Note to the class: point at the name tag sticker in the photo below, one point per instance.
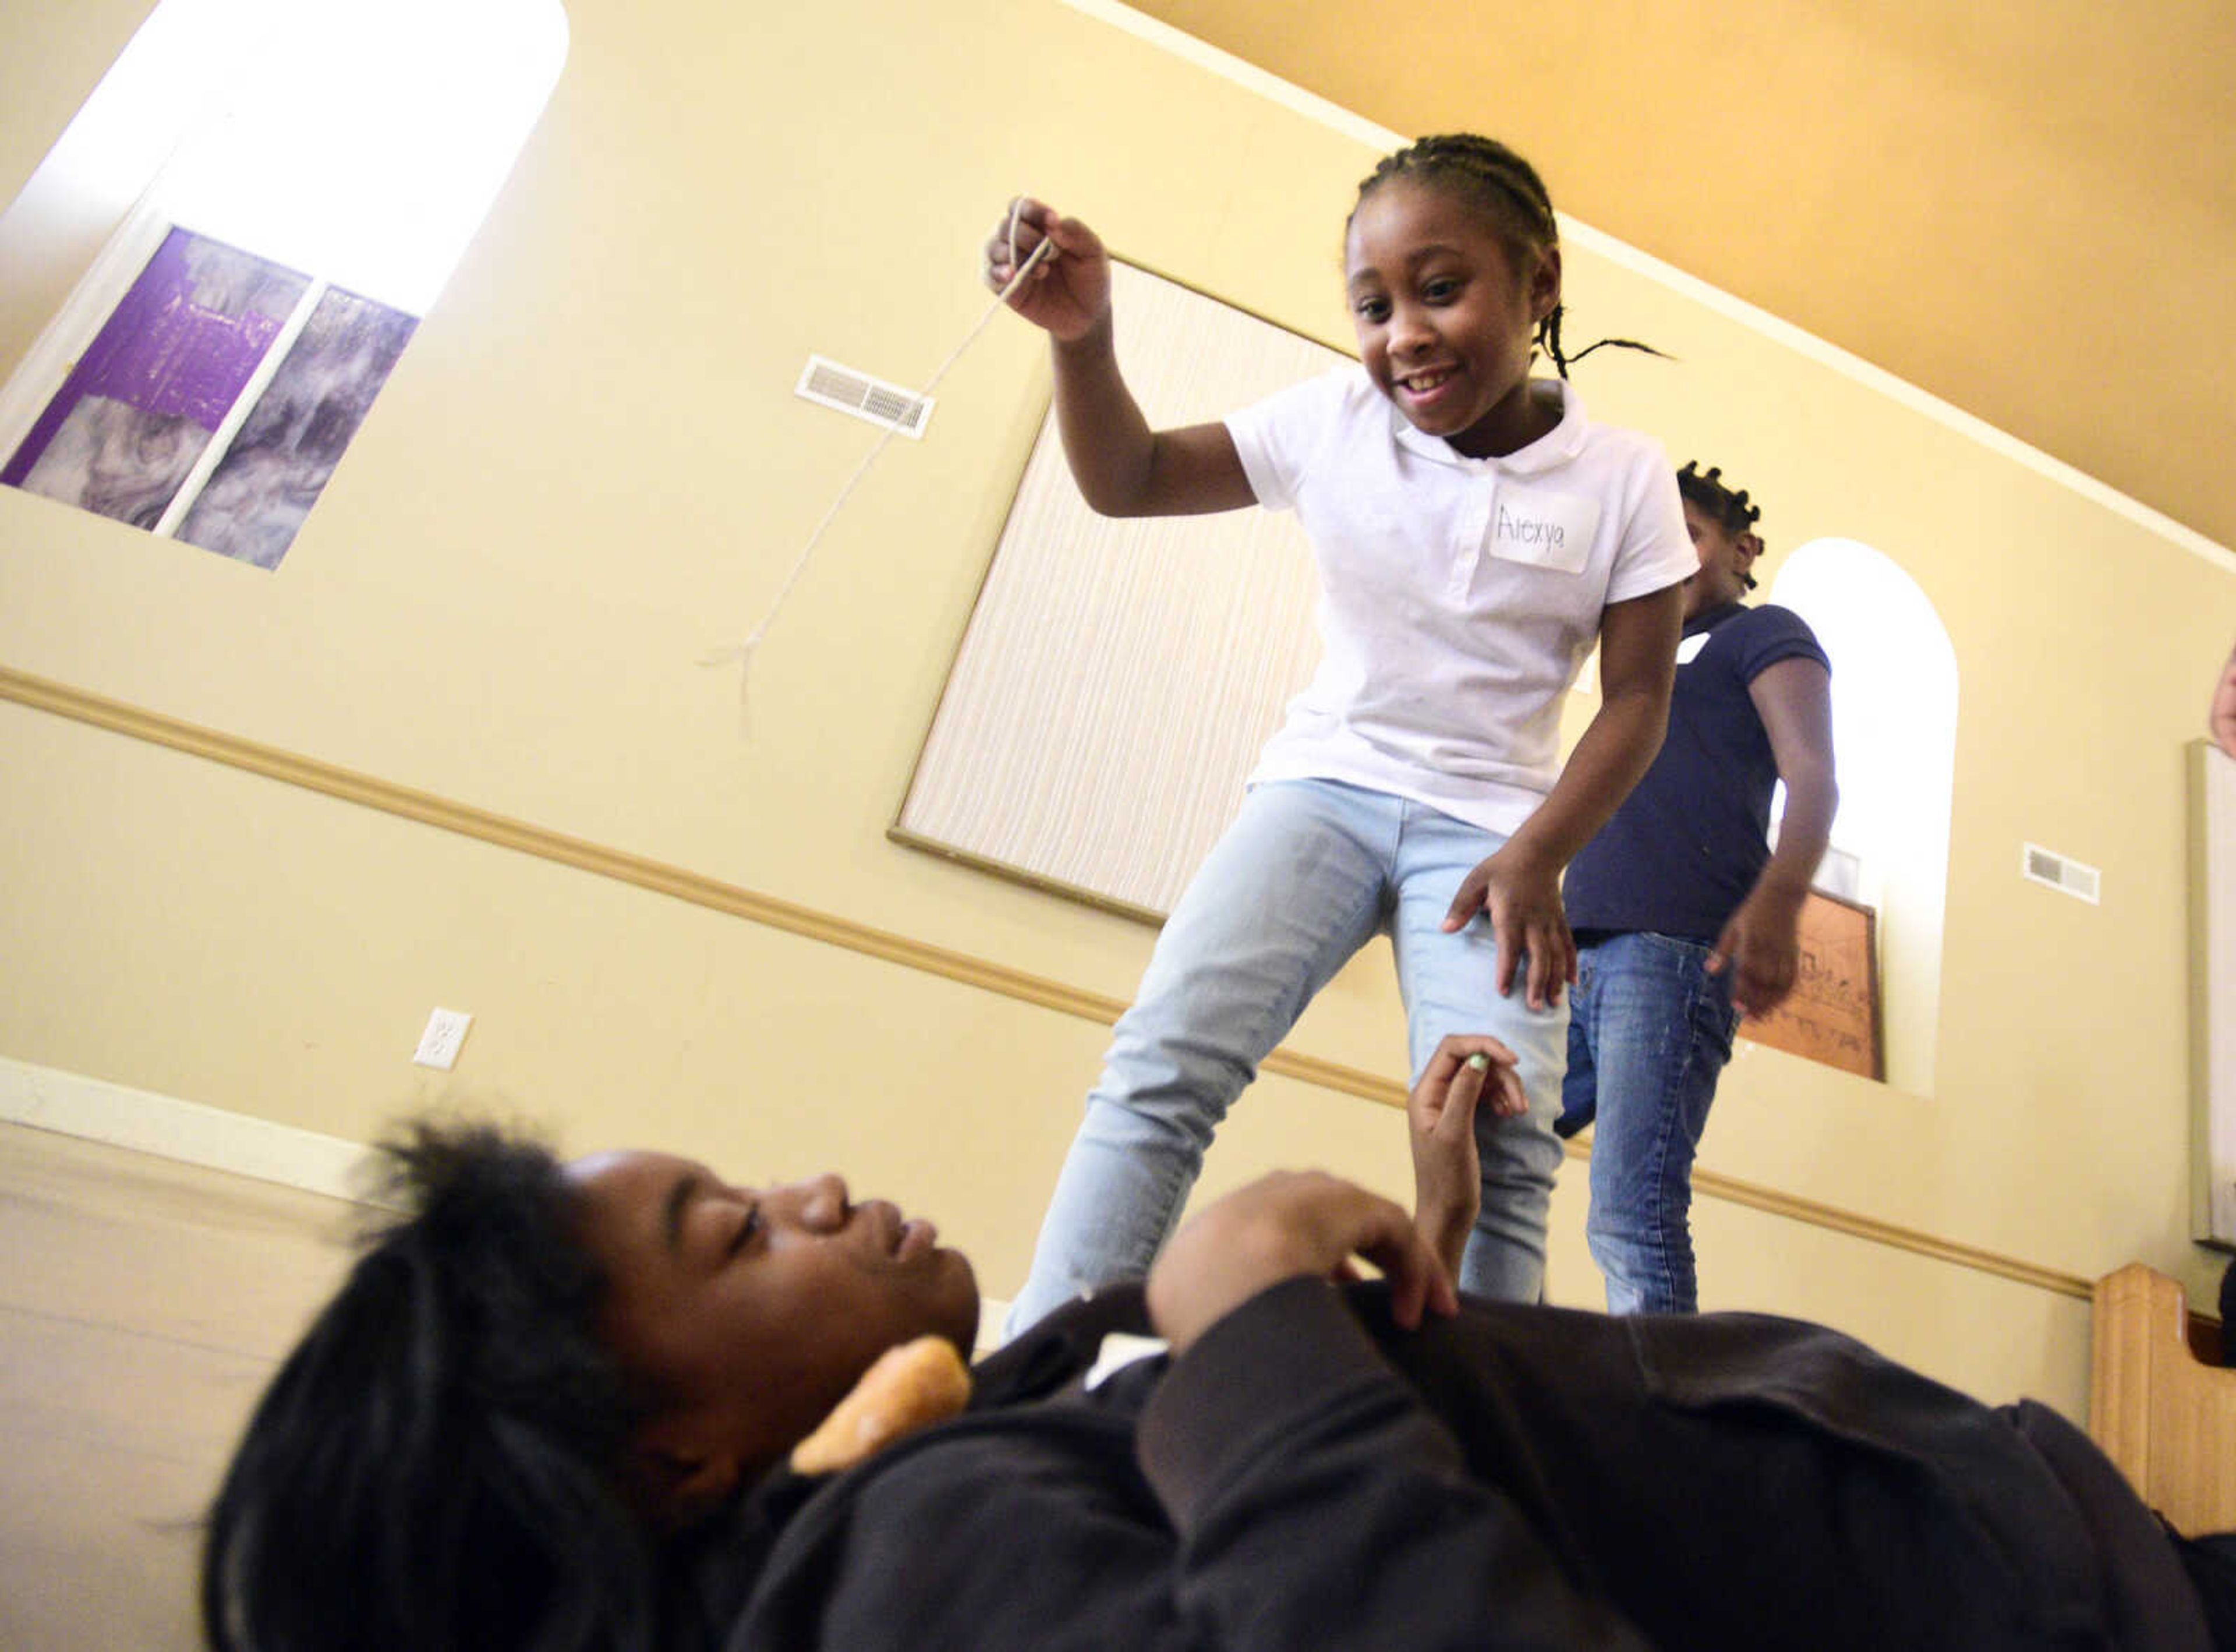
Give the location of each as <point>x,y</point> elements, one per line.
<point>1541,528</point>
<point>1689,649</point>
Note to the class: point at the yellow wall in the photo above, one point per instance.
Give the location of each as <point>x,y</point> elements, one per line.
<point>589,468</point>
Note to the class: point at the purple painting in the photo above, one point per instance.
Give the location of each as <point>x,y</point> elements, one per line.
<point>140,405</point>
<point>280,459</point>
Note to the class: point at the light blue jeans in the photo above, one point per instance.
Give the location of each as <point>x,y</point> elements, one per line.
<point>1651,1033</point>
<point>1307,874</point>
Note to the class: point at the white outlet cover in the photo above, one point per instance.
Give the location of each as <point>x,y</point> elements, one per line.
<point>438,1045</point>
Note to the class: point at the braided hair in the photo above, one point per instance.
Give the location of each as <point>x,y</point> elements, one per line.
<point>1506,189</point>
<point>1727,510</point>
<point>434,1466</point>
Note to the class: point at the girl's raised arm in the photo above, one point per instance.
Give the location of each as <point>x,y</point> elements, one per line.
<point>1123,468</point>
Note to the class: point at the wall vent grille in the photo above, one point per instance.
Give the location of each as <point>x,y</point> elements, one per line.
<point>832,385</point>
<point>2045,866</point>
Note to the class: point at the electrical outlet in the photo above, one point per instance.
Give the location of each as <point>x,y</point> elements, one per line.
<point>438,1045</point>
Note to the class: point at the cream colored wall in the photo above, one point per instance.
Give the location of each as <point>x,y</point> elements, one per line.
<point>56,55</point>
<point>588,469</point>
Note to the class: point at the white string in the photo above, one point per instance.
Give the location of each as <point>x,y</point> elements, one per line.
<point>743,652</point>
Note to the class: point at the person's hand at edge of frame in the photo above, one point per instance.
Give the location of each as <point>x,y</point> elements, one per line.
<point>2220,716</point>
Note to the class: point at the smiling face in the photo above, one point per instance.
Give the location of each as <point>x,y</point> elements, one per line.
<point>1443,318</point>
<point>747,1314</point>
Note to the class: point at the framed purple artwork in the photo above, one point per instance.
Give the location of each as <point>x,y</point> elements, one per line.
<point>214,400</point>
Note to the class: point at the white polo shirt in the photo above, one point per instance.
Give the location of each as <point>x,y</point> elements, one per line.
<point>1459,596</point>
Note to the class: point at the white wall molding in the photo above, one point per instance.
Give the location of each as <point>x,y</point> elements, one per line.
<point>72,1104</point>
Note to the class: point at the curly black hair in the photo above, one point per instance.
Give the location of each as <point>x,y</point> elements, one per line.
<point>434,1466</point>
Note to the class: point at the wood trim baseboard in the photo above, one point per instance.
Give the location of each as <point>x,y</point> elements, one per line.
<point>116,716</point>
<point>93,1109</point>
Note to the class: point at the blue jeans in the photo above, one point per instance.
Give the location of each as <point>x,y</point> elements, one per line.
<point>1648,1037</point>
<point>1307,874</point>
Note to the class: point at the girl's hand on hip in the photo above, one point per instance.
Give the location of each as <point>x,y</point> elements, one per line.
<point>1761,947</point>
<point>1069,291</point>
<point>1521,896</point>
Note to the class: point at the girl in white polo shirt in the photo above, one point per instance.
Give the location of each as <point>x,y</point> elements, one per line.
<point>1476,535</point>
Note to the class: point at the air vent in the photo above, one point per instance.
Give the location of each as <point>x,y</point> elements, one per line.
<point>858,393</point>
<point>2043,867</point>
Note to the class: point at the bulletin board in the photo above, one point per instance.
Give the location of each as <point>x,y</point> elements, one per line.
<point>1832,1015</point>
<point>1117,679</point>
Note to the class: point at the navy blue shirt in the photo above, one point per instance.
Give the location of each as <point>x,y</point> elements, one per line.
<point>1686,845</point>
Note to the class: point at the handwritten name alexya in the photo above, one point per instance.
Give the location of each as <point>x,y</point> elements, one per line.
<point>1527,531</point>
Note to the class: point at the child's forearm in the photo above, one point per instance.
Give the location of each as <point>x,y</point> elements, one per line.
<point>1107,440</point>
<point>1794,700</point>
<point>1613,754</point>
<point>1803,833</point>
<point>1444,1230</point>
<point>1638,667</point>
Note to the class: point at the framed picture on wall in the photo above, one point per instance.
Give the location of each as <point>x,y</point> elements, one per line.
<point>1116,678</point>
<point>1833,1013</point>
<point>207,399</point>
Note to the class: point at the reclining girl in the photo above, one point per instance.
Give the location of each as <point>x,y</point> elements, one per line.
<point>555,1406</point>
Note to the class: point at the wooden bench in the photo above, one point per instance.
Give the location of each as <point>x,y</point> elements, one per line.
<point>2165,1417</point>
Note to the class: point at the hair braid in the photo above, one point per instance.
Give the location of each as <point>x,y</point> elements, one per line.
<point>1707,492</point>
<point>1507,188</point>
